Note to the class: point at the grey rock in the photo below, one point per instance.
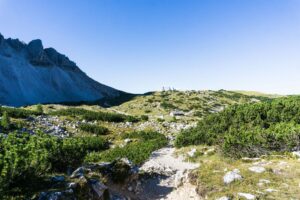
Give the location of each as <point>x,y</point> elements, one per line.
<point>79,172</point>
<point>35,48</point>
<point>223,198</point>
<point>257,169</point>
<point>232,176</point>
<point>246,196</point>
<point>57,195</point>
<point>15,44</point>
<point>99,189</point>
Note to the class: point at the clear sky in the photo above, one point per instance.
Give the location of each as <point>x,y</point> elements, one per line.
<point>143,45</point>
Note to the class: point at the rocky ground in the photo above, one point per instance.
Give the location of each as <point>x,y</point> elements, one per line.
<point>170,177</point>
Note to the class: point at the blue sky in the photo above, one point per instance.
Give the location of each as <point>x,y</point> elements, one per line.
<point>143,45</point>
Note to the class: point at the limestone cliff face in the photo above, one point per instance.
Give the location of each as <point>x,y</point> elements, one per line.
<point>30,74</point>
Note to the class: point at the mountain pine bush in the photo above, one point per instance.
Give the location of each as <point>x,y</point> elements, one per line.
<point>249,129</point>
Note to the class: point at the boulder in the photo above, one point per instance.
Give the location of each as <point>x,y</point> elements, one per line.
<point>232,176</point>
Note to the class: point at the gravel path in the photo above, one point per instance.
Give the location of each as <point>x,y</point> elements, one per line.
<point>169,179</point>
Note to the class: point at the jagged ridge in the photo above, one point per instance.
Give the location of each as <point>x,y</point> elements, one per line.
<point>30,74</point>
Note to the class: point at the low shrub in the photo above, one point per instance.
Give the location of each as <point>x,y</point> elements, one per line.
<point>94,129</point>
<point>137,151</point>
<point>92,115</point>
<point>18,112</point>
<point>24,157</point>
<point>249,129</point>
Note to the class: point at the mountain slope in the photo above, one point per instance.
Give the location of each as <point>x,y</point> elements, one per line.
<point>30,74</point>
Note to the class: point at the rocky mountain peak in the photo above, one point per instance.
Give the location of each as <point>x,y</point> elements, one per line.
<point>30,74</point>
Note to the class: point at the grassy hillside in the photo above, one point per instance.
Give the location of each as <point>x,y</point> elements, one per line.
<point>194,104</point>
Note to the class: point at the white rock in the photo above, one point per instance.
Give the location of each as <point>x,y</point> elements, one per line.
<point>130,189</point>
<point>296,154</point>
<point>264,181</point>
<point>232,176</point>
<point>192,152</point>
<point>271,190</point>
<point>127,140</point>
<point>223,198</point>
<point>247,196</point>
<point>257,169</point>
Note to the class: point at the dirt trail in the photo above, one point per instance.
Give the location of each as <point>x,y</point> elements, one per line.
<point>170,181</point>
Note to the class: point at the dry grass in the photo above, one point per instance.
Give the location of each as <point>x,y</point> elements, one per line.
<point>283,172</point>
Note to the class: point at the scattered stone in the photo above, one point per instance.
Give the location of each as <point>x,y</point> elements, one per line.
<point>99,189</point>
<point>232,176</point>
<point>262,182</point>
<point>271,190</point>
<point>223,198</point>
<point>257,169</point>
<point>210,151</point>
<point>127,141</point>
<point>72,185</point>
<point>247,196</point>
<point>79,172</point>
<point>176,113</point>
<point>130,189</point>
<point>67,194</point>
<point>192,152</point>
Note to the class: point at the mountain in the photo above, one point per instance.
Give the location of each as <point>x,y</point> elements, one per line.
<point>30,74</point>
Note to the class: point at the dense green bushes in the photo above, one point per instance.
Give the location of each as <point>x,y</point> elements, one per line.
<point>94,129</point>
<point>138,151</point>
<point>92,115</point>
<point>17,112</point>
<point>249,129</point>
<point>24,157</point>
